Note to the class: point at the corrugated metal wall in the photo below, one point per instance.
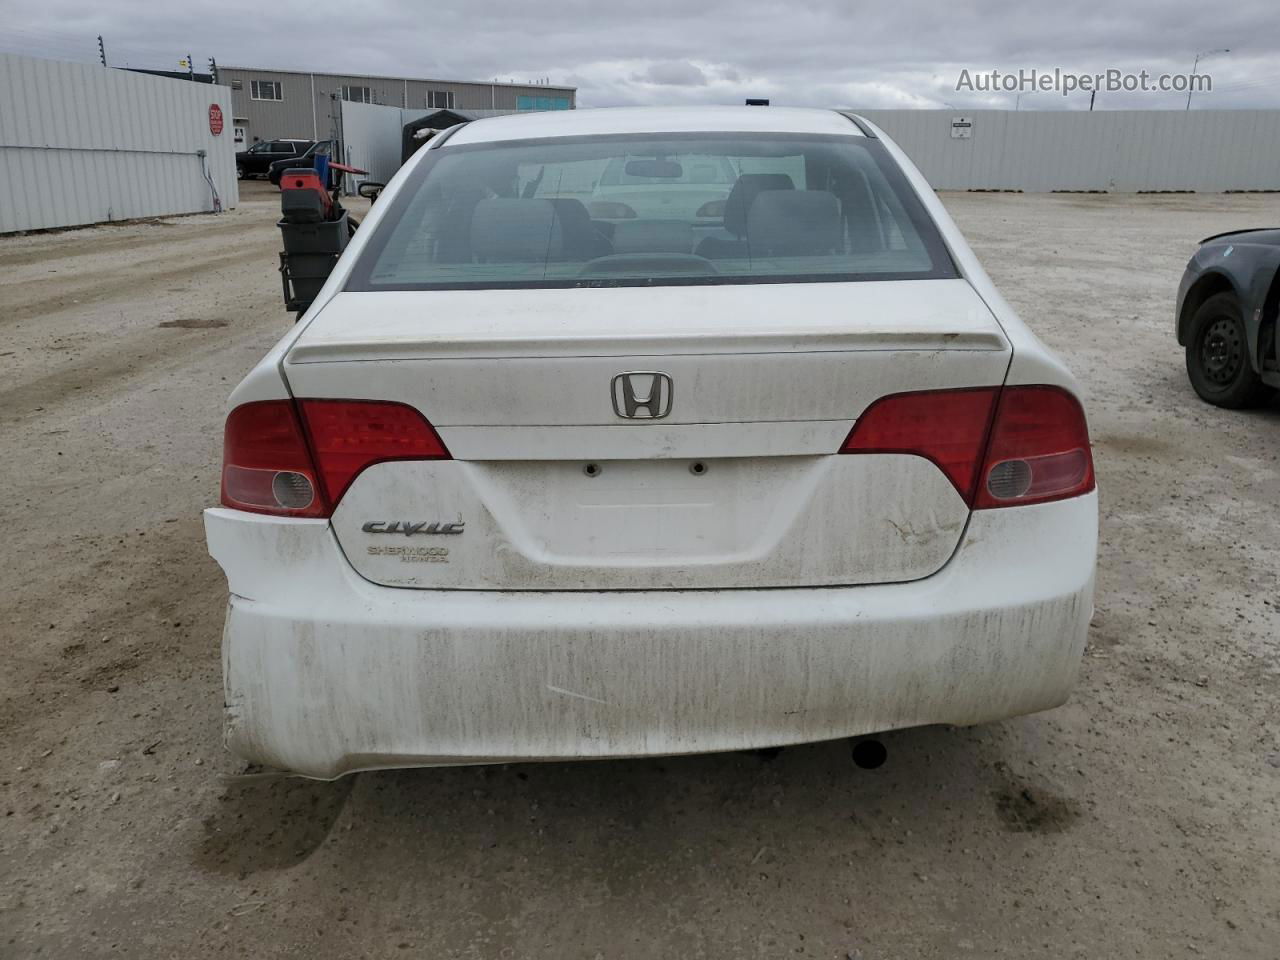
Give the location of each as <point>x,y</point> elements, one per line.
<point>302,112</point>
<point>84,144</point>
<point>1122,151</point>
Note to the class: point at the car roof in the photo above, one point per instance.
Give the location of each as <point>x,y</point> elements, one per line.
<point>616,120</point>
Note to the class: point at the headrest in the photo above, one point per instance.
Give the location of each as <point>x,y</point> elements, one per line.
<point>653,236</point>
<point>794,223</point>
<point>572,213</point>
<point>746,188</point>
<point>581,239</point>
<point>515,231</point>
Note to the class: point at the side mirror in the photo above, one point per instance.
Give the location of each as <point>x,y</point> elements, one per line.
<point>370,189</point>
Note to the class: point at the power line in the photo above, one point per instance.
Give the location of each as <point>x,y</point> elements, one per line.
<point>1269,80</point>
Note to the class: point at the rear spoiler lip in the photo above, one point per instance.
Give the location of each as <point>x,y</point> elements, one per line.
<point>858,122</point>
<point>358,351</point>
<point>1232,233</point>
<point>438,140</point>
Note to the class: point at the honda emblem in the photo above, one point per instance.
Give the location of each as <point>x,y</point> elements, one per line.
<point>642,395</point>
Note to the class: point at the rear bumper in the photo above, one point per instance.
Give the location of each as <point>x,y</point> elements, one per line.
<point>326,673</point>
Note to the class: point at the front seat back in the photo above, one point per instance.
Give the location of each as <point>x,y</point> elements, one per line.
<point>745,190</point>
<point>794,223</point>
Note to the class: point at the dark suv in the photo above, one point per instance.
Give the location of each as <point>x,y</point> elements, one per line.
<point>257,159</point>
<point>323,148</point>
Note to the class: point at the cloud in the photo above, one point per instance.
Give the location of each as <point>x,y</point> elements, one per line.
<point>813,53</point>
<point>674,73</point>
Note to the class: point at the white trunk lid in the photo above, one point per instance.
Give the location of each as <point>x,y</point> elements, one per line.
<point>739,485</point>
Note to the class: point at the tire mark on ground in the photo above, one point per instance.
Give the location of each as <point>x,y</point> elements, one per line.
<point>135,353</point>
<point>112,284</point>
<point>73,247</point>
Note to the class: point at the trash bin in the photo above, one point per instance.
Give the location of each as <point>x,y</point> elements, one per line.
<point>310,251</point>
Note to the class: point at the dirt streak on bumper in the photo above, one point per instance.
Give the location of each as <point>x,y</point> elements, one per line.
<point>327,673</point>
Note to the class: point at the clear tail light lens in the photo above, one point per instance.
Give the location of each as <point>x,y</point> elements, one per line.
<point>998,447</point>
<point>1039,449</point>
<point>298,458</point>
<point>266,466</point>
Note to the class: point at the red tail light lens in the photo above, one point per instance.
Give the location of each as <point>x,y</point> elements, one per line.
<point>948,427</point>
<point>298,460</point>
<point>349,435</point>
<point>998,447</point>
<point>1039,449</point>
<point>266,467</point>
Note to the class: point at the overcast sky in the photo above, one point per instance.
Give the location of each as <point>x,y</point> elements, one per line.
<point>898,53</point>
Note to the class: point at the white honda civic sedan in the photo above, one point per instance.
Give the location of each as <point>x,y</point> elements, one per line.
<point>649,431</point>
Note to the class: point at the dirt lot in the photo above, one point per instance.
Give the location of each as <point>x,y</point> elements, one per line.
<point>1141,819</point>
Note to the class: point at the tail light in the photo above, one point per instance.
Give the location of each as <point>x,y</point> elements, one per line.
<point>948,427</point>
<point>1039,449</point>
<point>998,447</point>
<point>297,459</point>
<point>266,466</point>
<point>348,435</point>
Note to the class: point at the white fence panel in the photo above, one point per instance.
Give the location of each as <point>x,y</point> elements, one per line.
<point>372,135</point>
<point>1122,151</point>
<point>86,144</point>
<point>371,139</point>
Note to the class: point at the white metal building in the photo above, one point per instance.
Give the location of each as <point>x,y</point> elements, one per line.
<point>85,144</point>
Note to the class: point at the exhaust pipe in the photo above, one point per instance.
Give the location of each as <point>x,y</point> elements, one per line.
<point>869,754</point>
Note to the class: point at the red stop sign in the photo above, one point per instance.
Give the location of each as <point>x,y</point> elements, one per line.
<point>215,119</point>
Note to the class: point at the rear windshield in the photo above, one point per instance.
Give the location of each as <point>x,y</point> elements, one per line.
<point>652,210</point>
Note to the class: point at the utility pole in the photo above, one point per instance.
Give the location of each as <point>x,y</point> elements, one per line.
<point>1191,80</point>
<point>1093,96</point>
<point>102,51</point>
<point>213,69</point>
<point>191,68</point>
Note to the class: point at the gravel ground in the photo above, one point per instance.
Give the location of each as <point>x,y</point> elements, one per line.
<point>1139,820</point>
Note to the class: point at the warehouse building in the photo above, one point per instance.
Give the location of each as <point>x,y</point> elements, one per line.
<point>272,104</point>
